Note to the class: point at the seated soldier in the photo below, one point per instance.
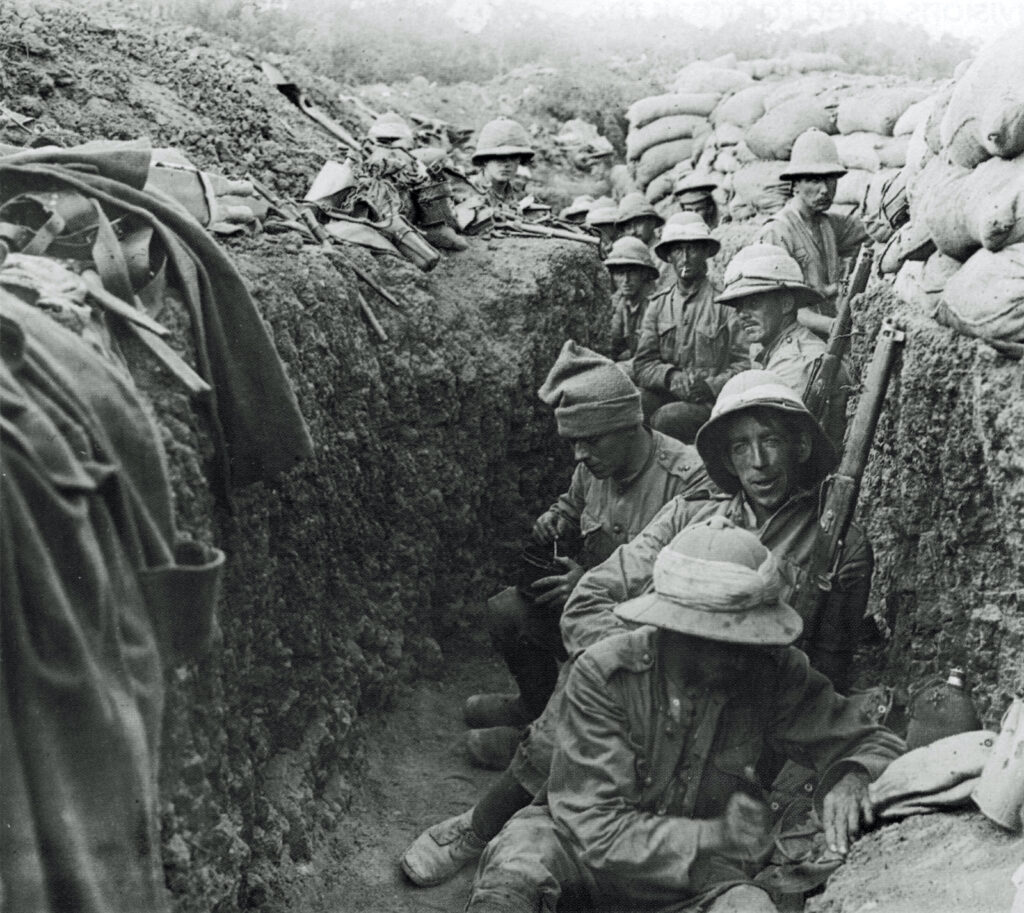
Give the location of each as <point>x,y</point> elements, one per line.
<point>624,475</point>
<point>689,345</point>
<point>502,146</point>
<point>576,211</point>
<point>638,219</point>
<point>602,218</point>
<point>633,274</point>
<point>652,803</point>
<point>812,235</point>
<point>765,286</point>
<point>769,456</point>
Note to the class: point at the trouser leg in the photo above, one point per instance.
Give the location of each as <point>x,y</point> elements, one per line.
<point>503,799</point>
<point>526,868</point>
<point>532,760</point>
<point>529,642</point>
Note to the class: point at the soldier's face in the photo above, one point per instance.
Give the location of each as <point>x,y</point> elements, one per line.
<point>642,228</point>
<point>764,455</point>
<point>605,455</point>
<point>704,207</point>
<point>817,193</point>
<point>629,280</point>
<point>689,260</point>
<point>708,662</point>
<point>501,169</point>
<point>764,316</point>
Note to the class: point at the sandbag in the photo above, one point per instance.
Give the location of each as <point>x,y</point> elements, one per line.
<point>912,242</point>
<point>728,135</point>
<point>726,162</point>
<point>876,110</point>
<point>851,187</point>
<point>743,154</point>
<point>701,76</point>
<point>985,115</point>
<point>985,297</point>
<point>859,150</point>
<point>660,187</point>
<point>763,67</point>
<point>772,137</point>
<point>892,151</point>
<point>664,130</point>
<point>914,115</point>
<point>933,123</point>
<point>659,159</point>
<point>936,172</point>
<point>742,109</point>
<point>646,110</point>
<point>983,207</point>
<point>883,204</point>
<point>759,186</point>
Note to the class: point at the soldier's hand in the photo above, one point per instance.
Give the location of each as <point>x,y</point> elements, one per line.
<point>846,805</point>
<point>742,832</point>
<point>554,591</point>
<point>546,528</point>
<point>680,384</point>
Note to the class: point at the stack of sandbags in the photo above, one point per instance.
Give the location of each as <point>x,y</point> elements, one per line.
<point>965,186</point>
<point>704,76</point>
<point>665,130</point>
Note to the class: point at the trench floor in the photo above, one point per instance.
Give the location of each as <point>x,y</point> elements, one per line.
<point>417,774</point>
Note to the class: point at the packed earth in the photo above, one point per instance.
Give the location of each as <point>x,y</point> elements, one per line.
<point>303,349</point>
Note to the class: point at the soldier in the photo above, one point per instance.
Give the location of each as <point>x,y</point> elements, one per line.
<point>689,345</point>
<point>816,238</point>
<point>638,219</point>
<point>693,193</point>
<point>653,802</point>
<point>769,456</point>
<point>602,217</point>
<point>624,474</point>
<point>391,130</point>
<point>502,146</point>
<point>633,273</point>
<point>765,286</point>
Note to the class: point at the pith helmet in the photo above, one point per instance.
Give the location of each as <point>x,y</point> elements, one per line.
<point>603,212</point>
<point>761,268</point>
<point>501,137</point>
<point>635,206</point>
<point>814,155</point>
<point>694,186</point>
<point>632,252</point>
<point>717,581</point>
<point>760,389</point>
<point>689,230</point>
<point>390,126</point>
<point>579,206</point>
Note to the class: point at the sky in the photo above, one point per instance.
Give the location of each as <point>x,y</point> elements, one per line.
<point>978,20</point>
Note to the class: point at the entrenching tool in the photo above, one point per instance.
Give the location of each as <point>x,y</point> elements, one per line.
<point>292,214</point>
<point>297,97</point>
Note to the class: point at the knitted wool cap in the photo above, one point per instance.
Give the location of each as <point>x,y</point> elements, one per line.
<point>591,396</point>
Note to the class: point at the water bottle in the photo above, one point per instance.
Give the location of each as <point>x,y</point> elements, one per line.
<point>941,708</point>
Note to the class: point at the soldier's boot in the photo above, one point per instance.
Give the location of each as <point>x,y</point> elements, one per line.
<point>482,711</point>
<point>442,850</point>
<point>493,748</point>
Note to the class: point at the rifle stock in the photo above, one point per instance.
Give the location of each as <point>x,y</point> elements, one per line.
<point>822,383</point>
<point>844,486</point>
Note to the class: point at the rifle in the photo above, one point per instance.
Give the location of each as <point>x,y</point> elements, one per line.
<point>291,212</point>
<point>844,486</point>
<point>821,384</point>
<point>530,229</point>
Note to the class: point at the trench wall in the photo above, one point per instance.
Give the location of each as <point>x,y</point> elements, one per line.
<point>432,455</point>
<point>942,501</point>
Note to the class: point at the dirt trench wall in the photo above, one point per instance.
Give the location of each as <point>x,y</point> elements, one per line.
<point>432,455</point>
<point>943,501</point>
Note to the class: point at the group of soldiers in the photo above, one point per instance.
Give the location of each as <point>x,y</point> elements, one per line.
<point>666,686</point>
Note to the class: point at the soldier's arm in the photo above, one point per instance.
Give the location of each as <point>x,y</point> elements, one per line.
<point>649,371</point>
<point>589,614</point>
<point>568,509</point>
<point>850,233</point>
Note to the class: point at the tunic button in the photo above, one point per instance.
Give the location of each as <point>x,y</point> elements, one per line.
<point>617,529</point>
<point>648,781</point>
<point>808,787</point>
<point>646,657</point>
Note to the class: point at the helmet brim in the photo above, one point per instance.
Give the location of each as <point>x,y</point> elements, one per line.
<point>481,155</point>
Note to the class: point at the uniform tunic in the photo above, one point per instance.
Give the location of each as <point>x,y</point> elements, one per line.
<point>627,317</point>
<point>640,761</point>
<point>817,246</point>
<point>793,356</point>
<point>691,334</point>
